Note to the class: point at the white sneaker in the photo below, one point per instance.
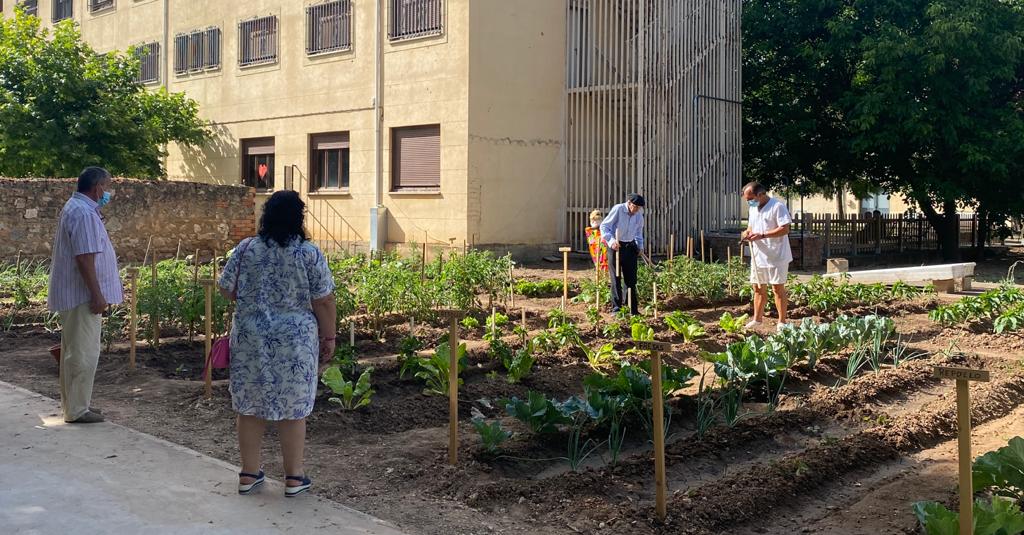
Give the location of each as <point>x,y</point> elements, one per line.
<point>751,324</point>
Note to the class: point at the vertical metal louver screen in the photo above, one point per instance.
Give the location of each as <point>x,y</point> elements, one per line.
<point>329,27</point>
<point>257,41</point>
<point>416,157</point>
<point>415,18</point>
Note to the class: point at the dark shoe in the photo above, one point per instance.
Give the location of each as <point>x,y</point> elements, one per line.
<point>246,489</point>
<point>291,492</point>
<point>94,409</point>
<point>88,418</point>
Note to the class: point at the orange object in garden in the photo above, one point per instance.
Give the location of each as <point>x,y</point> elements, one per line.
<point>598,249</point>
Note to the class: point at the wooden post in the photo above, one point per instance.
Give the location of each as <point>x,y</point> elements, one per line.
<point>177,254</point>
<point>963,376</point>
<point>195,286</point>
<point>423,263</point>
<point>565,275</point>
<point>352,333</point>
<point>208,343</point>
<point>494,326</point>
<point>216,265</point>
<point>654,295</point>
<point>671,246</point>
<point>629,299</point>
<point>701,245</point>
<point>511,285</point>
<point>146,256</point>
<point>154,317</point>
<point>133,322</point>
<point>656,348</point>
<point>453,383</point>
<point>524,318</point>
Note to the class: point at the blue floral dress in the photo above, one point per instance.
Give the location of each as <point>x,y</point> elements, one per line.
<point>275,340</point>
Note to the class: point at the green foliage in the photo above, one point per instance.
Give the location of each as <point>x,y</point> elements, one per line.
<point>830,294</point>
<point>689,278</point>
<point>66,107</point>
<point>592,292</point>
<point>462,278</point>
<point>469,322</point>
<point>633,382</point>
<point>389,285</point>
<point>685,325</point>
<point>433,370</point>
<point>1002,470</point>
<point>491,434</point>
<point>641,332</point>
<point>540,414</point>
<point>601,358</point>
<point>546,288</point>
<point>732,324</point>
<point>517,363</point>
<point>347,394</point>
<point>998,516</point>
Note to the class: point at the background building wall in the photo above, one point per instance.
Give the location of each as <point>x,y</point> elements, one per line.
<point>201,216</point>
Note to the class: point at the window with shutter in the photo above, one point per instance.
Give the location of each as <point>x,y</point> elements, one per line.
<point>329,161</point>
<point>416,158</point>
<point>258,163</point>
<point>62,9</point>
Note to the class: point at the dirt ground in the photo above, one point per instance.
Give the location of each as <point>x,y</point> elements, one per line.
<point>844,459</point>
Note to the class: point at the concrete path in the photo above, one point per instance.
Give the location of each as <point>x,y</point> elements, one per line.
<point>103,478</point>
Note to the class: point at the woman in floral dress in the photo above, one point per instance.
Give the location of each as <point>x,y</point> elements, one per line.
<point>598,248</point>
<point>283,333</point>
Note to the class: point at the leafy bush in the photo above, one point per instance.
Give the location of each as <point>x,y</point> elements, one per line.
<point>347,394</point>
<point>732,324</point>
<point>463,277</point>
<point>547,288</point>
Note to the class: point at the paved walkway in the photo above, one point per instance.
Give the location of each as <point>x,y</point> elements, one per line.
<point>104,478</point>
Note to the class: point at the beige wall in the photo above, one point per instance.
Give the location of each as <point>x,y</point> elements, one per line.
<point>494,81</point>
<point>819,204</point>
<point>516,117</point>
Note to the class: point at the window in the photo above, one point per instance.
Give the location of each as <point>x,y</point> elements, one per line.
<point>257,41</point>
<point>416,157</point>
<point>30,6</point>
<point>258,163</point>
<point>329,27</point>
<point>62,9</point>
<point>149,62</point>
<point>329,159</point>
<point>100,5</point>
<point>197,51</point>
<point>415,18</point>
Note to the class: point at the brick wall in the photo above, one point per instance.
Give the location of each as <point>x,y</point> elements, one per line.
<point>207,217</point>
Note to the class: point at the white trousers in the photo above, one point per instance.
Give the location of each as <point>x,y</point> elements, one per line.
<point>79,354</point>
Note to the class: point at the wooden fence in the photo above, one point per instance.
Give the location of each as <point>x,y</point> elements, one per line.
<point>895,233</point>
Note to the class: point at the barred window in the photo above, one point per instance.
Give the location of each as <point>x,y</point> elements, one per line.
<point>62,9</point>
<point>100,5</point>
<point>258,163</point>
<point>197,51</point>
<point>329,27</point>
<point>149,62</point>
<point>30,6</point>
<point>329,161</point>
<point>257,41</point>
<point>415,18</point>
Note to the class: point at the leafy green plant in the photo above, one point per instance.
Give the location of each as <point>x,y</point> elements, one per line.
<point>407,357</point>
<point>732,324</point>
<point>612,329</point>
<point>592,292</point>
<point>685,325</point>
<point>567,334</point>
<point>601,358</point>
<point>998,516</point>
<point>349,395</point>
<point>540,414</point>
<point>578,411</point>
<point>469,322</point>
<point>1002,470</point>
<point>519,363</point>
<point>594,315</point>
<point>546,288</point>
<point>491,434</point>
<point>433,370</point>
<point>641,332</point>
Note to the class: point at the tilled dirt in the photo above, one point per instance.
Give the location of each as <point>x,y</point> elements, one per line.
<point>833,458</point>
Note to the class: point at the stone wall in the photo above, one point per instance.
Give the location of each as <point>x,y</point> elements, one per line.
<point>198,216</point>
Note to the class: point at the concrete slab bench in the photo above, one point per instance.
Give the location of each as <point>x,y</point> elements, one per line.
<point>945,277</point>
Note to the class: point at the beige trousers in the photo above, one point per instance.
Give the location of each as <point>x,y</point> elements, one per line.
<point>79,354</point>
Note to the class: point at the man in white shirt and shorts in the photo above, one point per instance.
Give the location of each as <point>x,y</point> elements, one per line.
<point>770,255</point>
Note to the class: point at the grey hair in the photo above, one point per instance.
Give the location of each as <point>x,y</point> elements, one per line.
<point>91,176</point>
<point>755,187</point>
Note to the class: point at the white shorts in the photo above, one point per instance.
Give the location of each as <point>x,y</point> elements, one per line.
<point>769,275</point>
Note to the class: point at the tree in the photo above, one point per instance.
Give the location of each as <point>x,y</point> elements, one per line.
<point>64,107</point>
<point>920,97</point>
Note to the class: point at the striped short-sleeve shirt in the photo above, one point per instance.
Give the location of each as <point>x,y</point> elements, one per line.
<point>81,231</point>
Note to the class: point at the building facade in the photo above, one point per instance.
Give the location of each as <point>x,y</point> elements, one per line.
<point>489,121</point>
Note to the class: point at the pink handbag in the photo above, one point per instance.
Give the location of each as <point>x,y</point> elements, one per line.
<point>220,351</point>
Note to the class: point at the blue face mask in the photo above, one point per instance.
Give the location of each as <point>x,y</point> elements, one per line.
<point>753,203</point>
<point>104,199</point>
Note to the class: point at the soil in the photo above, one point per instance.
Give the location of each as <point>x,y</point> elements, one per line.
<point>833,458</point>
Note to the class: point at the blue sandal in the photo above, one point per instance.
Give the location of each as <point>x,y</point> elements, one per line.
<point>291,492</point>
<point>246,489</point>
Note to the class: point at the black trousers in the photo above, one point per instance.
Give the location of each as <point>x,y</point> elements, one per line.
<point>627,257</point>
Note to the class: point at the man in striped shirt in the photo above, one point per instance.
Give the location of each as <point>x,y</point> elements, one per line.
<point>84,281</point>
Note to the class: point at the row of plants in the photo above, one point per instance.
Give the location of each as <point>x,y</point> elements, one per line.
<point>830,294</point>
<point>1003,306</point>
<point>998,483</point>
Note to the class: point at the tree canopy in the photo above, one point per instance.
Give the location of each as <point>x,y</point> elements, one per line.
<point>64,107</point>
<point>920,97</point>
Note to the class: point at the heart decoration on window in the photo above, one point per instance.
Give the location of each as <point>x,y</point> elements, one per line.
<point>262,170</point>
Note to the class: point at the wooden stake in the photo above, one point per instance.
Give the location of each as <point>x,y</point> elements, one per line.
<point>701,245</point>
<point>423,263</point>
<point>453,383</point>
<point>661,489</point>
<point>963,376</point>
<point>177,254</point>
<point>146,256</point>
<point>511,286</point>
<point>654,294</point>
<point>629,299</point>
<point>208,343</point>
<point>671,246</point>
<point>565,275</point>
<point>216,265</point>
<point>154,317</point>
<point>352,333</point>
<point>133,322</point>
<point>195,286</point>
<point>524,318</point>
<point>494,326</point>
<point>17,266</point>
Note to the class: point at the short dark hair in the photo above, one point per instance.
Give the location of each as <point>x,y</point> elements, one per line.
<point>755,187</point>
<point>283,218</point>
<point>91,176</point>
